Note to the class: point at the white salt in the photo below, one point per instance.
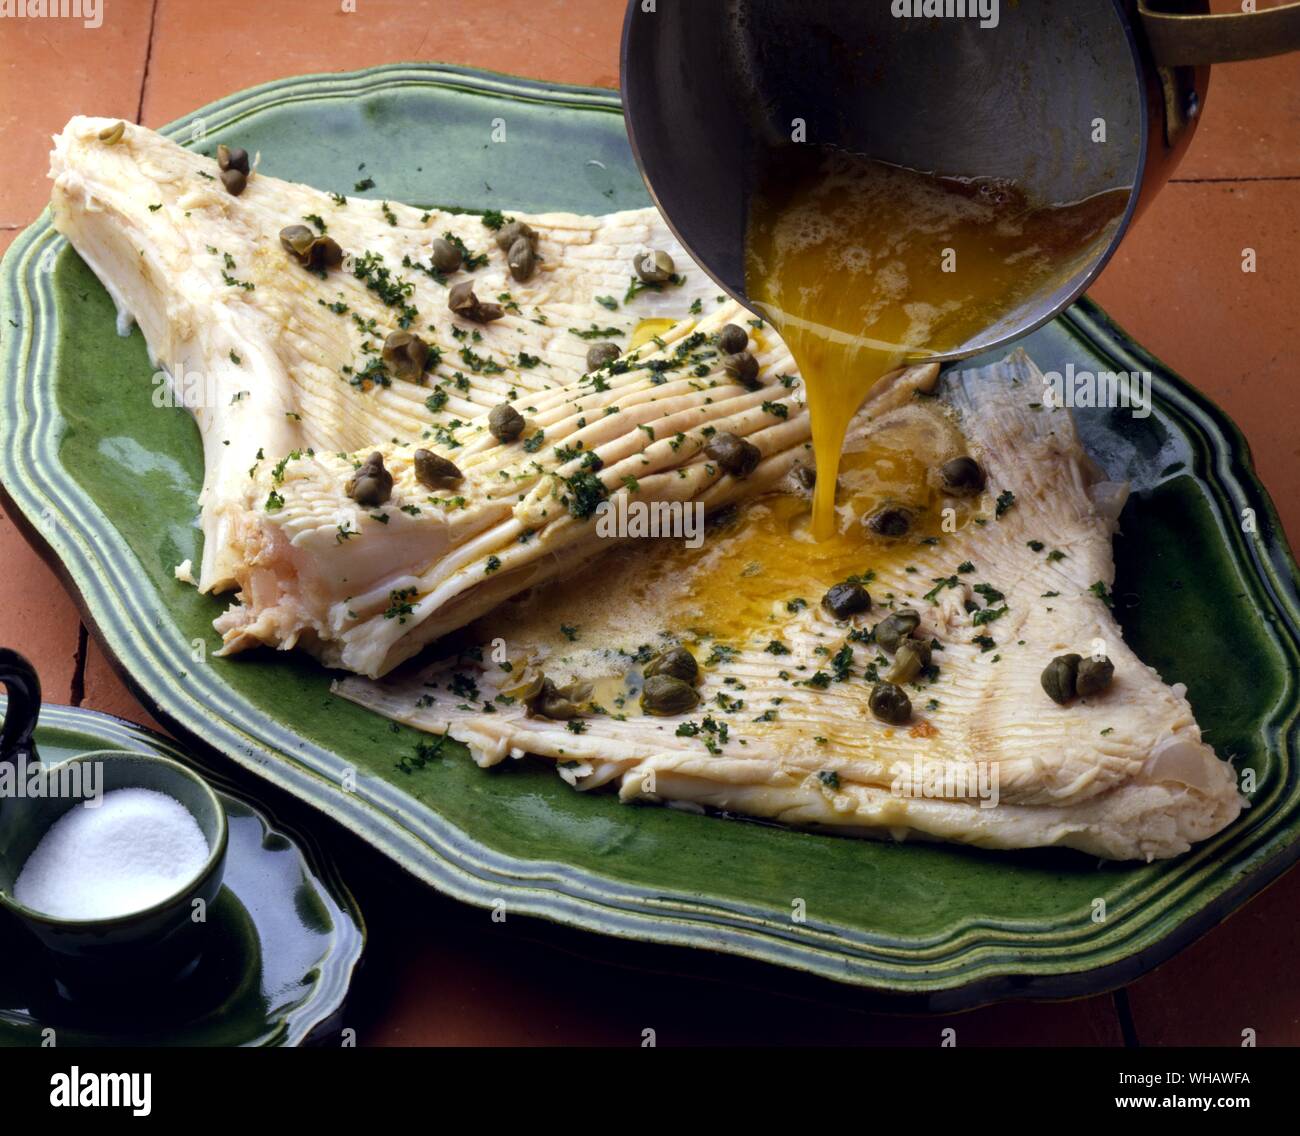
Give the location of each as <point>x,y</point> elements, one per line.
<point>136,849</point>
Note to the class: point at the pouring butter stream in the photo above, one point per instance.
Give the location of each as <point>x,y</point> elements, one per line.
<point>864,266</point>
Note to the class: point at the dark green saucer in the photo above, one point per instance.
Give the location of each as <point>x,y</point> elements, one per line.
<point>286,935</point>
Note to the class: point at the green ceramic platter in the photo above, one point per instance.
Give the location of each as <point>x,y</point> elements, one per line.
<point>107,484</point>
<point>286,933</point>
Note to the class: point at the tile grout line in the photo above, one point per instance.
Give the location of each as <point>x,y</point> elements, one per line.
<point>148,58</point>
<point>77,688</point>
<point>1125,1012</point>
<point>1230,180</point>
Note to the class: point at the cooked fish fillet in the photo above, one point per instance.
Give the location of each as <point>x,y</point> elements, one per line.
<point>367,588</point>
<point>277,355</point>
<point>291,400</point>
<point>784,730</point>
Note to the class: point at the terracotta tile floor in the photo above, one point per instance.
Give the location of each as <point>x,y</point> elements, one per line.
<point>442,973</point>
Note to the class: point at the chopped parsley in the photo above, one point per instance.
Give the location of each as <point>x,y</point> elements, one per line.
<point>637,286</point>
<point>940,582</point>
<point>594,332</point>
<point>425,752</point>
<point>586,492</point>
<point>469,261</point>
<point>399,604</point>
<point>392,291</point>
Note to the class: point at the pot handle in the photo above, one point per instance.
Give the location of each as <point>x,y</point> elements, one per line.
<point>20,681</point>
<point>1183,39</point>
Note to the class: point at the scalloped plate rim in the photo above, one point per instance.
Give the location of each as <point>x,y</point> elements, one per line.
<point>440,854</point>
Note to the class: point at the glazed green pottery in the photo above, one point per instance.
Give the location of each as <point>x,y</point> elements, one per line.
<point>107,484</point>
<point>279,947</point>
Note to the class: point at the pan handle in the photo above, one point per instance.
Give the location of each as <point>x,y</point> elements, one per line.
<point>21,683</point>
<point>1181,39</point>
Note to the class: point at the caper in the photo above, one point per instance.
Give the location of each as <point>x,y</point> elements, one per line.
<point>235,181</point>
<point>845,600</point>
<point>733,454</point>
<point>561,702</point>
<point>111,135</point>
<point>894,629</point>
<point>444,256</point>
<point>1094,676</point>
<point>464,303</point>
<point>508,234</point>
<point>505,423</point>
<point>434,471</point>
<point>372,484</point>
<point>326,253</point>
<point>232,158</point>
<point>528,687</point>
<point>1059,677</point>
<point>522,259</point>
<point>308,249</point>
<point>462,300</point>
<point>890,520</point>
<point>962,477</point>
<point>732,339</point>
<point>406,354</point>
<point>665,696</point>
<point>677,662</point>
<point>297,241</point>
<point>742,367</point>
<point>654,267</point>
<point>602,354</point>
<point>912,658</point>
<point>890,703</point>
